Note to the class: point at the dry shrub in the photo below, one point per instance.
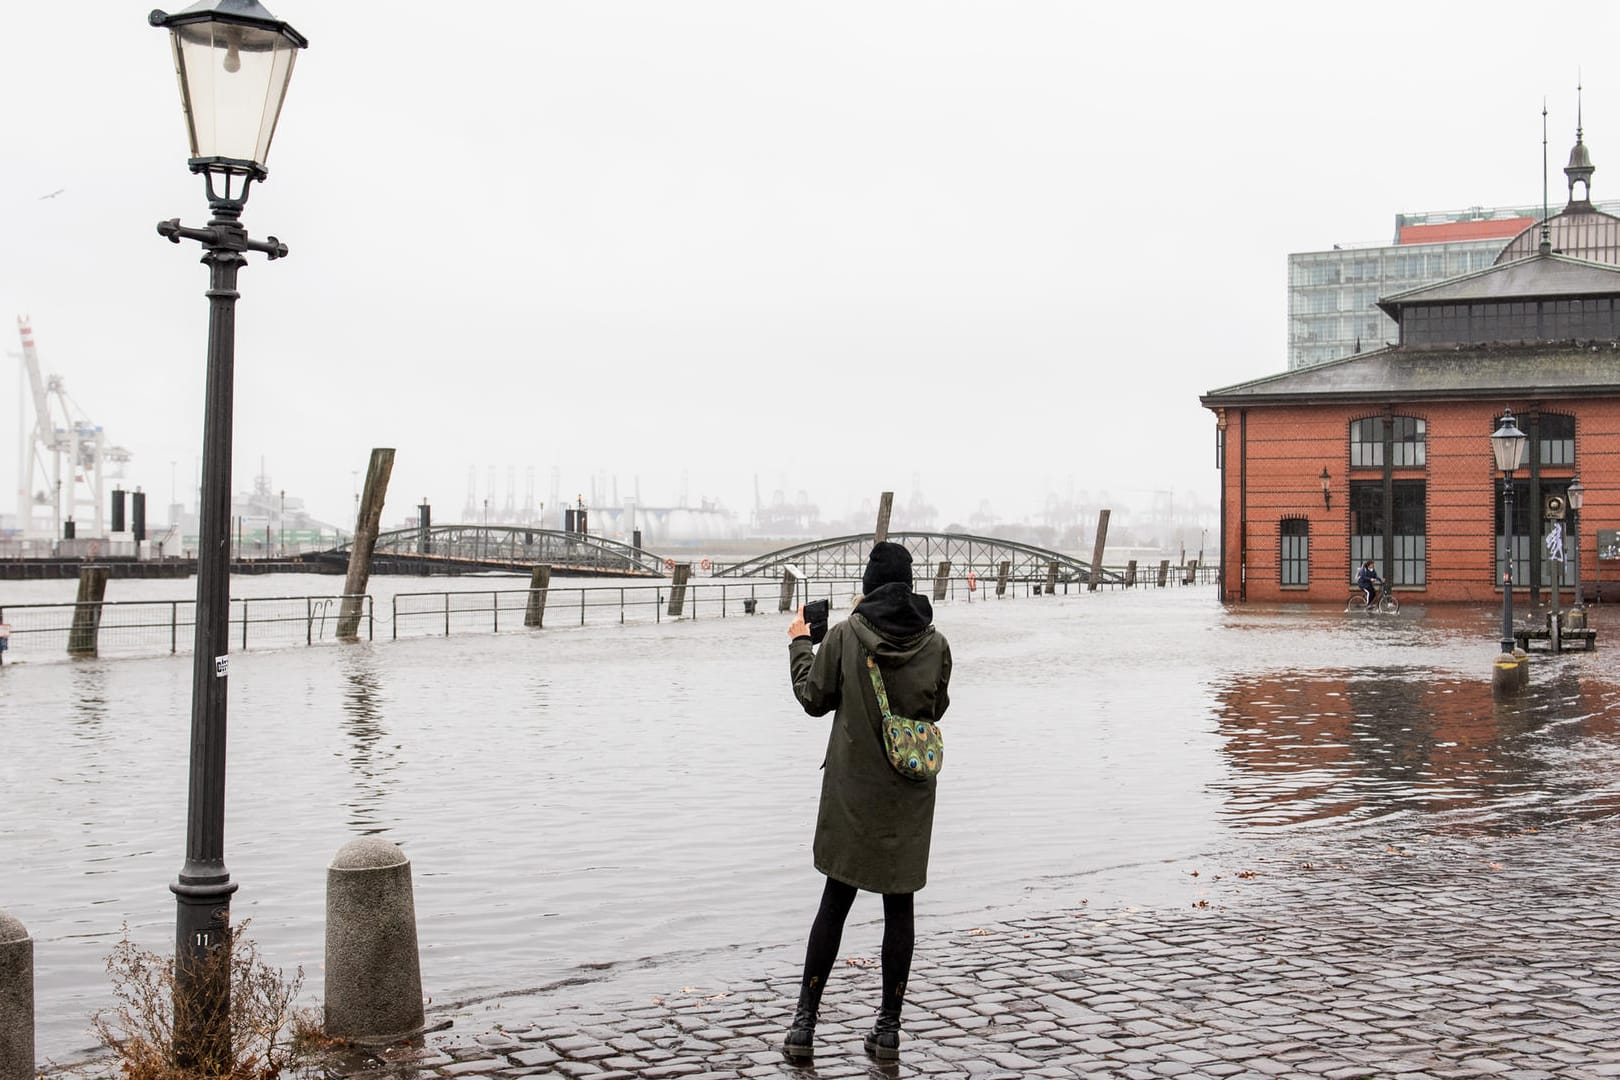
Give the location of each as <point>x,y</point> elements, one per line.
<point>265,1022</point>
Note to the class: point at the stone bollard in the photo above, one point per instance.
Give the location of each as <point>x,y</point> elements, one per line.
<point>16,1000</point>
<point>1524,667</point>
<point>373,972</point>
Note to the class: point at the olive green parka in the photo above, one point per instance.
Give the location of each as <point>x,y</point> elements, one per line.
<point>874,826</point>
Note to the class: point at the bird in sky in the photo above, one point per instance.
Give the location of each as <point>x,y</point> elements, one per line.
<point>53,194</point>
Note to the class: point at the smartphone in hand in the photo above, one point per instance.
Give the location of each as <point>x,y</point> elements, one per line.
<point>815,617</point>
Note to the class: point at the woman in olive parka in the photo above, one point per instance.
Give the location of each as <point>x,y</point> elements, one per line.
<point>874,825</point>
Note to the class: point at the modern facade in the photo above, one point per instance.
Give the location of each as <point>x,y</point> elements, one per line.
<point>1386,455</point>
<point>1333,295</point>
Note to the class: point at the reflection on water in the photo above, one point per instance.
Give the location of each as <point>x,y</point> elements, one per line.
<point>1309,746</point>
<point>372,759</point>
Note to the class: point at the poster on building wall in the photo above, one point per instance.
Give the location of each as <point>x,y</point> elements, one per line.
<point>1609,543</point>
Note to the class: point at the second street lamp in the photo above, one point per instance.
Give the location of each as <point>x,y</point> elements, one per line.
<point>234,61</point>
<point>1575,495</point>
<point>1508,445</point>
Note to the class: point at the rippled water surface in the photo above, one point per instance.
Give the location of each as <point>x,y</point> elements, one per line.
<point>580,797</point>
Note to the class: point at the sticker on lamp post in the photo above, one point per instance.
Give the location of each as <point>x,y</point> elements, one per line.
<point>222,666</point>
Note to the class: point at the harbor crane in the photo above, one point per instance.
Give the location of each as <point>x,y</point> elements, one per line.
<point>67,460</point>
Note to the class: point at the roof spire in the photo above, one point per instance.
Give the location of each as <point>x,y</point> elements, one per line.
<point>1546,227</point>
<point>1580,167</point>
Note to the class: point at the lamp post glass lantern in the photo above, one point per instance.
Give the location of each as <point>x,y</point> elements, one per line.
<point>1508,445</point>
<point>234,61</point>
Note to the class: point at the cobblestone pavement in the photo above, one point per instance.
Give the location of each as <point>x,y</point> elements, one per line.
<point>1471,956</point>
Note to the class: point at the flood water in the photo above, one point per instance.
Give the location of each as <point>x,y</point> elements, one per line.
<point>575,798</point>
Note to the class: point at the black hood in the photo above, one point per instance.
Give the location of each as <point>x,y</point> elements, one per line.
<point>896,613</point>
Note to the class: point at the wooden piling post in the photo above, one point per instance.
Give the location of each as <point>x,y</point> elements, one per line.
<point>82,639</point>
<point>885,508</point>
<point>790,585</point>
<point>1095,578</point>
<point>1001,577</point>
<point>1130,574</point>
<point>1191,577</point>
<point>677,589</point>
<point>942,579</point>
<point>1051,577</point>
<point>365,541</point>
<point>1164,572</point>
<point>534,615</point>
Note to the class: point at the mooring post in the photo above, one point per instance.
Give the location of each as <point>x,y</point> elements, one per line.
<point>1095,577</point>
<point>1130,574</point>
<point>1051,577</point>
<point>941,579</point>
<point>365,541</point>
<point>1191,576</point>
<point>16,1000</point>
<point>539,581</point>
<point>1001,578</point>
<point>790,585</point>
<point>1164,572</point>
<point>373,971</point>
<point>885,508</point>
<point>677,588</point>
<point>82,639</point>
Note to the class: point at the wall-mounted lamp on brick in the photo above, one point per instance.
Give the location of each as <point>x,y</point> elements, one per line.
<point>1327,494</point>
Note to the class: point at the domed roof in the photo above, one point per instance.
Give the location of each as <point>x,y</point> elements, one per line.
<point>1580,230</point>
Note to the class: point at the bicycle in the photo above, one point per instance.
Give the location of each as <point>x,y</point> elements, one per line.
<point>1384,603</point>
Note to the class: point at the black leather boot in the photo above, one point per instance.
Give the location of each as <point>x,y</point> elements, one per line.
<point>799,1045</point>
<point>883,1041</point>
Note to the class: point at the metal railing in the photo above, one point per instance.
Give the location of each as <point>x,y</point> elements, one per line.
<point>127,628</point>
<point>148,627</point>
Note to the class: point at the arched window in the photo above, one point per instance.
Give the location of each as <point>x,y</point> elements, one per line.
<point>1557,439</point>
<point>1404,435</point>
<point>1367,443</point>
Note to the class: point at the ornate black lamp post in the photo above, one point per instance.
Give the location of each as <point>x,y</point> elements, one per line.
<point>1575,495</point>
<point>234,60</point>
<point>1508,444</point>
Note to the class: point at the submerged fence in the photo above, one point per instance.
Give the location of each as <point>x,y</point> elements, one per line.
<point>128,628</point>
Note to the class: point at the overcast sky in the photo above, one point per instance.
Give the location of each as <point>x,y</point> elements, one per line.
<point>1001,246</point>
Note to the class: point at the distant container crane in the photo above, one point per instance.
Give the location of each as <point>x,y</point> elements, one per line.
<point>66,462</point>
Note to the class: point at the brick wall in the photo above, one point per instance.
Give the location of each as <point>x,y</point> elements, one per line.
<point>1274,459</point>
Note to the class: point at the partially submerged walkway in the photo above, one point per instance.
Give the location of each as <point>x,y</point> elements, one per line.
<point>1473,956</point>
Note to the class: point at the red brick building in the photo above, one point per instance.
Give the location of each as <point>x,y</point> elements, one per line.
<point>1387,455</point>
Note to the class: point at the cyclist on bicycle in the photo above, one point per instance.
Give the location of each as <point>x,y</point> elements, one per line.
<point>1368,581</point>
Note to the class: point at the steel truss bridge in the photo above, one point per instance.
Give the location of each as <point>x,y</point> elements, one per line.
<point>472,549</point>
<point>844,557</point>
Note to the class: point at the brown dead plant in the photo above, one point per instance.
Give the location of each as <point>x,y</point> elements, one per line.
<point>141,1029</point>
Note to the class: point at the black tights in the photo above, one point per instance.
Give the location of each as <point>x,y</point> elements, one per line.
<point>899,935</point>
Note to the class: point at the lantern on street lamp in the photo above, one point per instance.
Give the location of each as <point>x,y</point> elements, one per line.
<point>1575,495</point>
<point>1327,489</point>
<point>1508,444</point>
<point>234,60</point>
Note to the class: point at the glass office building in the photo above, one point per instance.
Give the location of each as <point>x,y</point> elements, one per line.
<point>1333,295</point>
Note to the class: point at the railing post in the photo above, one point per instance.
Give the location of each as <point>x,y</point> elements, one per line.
<point>582,607</point>
<point>174,626</point>
<point>495,609</point>
<point>446,614</point>
<point>621,605</point>
<point>371,618</point>
<point>244,623</point>
<point>395,618</point>
<point>309,620</point>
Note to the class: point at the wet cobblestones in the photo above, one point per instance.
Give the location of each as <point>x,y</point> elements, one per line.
<point>1439,958</point>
